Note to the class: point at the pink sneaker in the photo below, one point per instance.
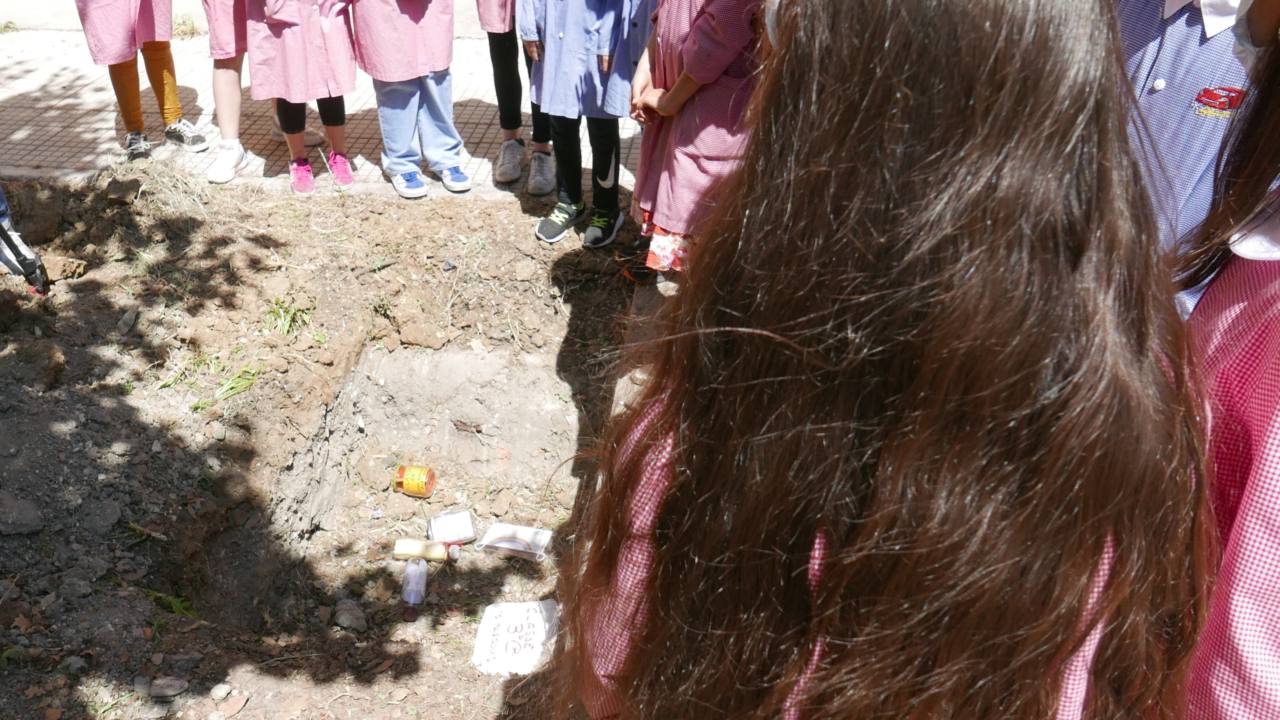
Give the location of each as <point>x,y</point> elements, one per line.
<point>302,180</point>
<point>340,169</point>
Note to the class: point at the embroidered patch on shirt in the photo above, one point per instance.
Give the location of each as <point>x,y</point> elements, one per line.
<point>1219,102</point>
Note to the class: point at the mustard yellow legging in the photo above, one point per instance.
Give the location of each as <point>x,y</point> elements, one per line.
<point>124,78</point>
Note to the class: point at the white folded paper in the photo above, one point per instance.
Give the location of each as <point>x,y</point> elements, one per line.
<point>513,637</point>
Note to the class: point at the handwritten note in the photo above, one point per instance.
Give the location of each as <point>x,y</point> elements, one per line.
<point>514,637</point>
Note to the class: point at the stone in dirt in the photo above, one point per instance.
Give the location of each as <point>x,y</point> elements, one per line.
<point>101,516</point>
<point>220,692</point>
<point>127,321</point>
<point>167,687</point>
<point>73,665</point>
<point>122,192</point>
<point>217,430</point>
<point>18,516</point>
<point>417,334</point>
<point>349,615</point>
<point>74,587</point>
<point>63,268</point>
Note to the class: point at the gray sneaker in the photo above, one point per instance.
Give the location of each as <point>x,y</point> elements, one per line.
<point>136,146</point>
<point>185,134</point>
<point>507,169</point>
<point>542,174</point>
<point>553,228</point>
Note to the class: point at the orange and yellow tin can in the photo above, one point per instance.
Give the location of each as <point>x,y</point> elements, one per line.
<point>415,480</point>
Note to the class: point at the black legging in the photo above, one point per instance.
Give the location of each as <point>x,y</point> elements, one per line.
<point>605,146</point>
<point>504,54</point>
<point>293,116</point>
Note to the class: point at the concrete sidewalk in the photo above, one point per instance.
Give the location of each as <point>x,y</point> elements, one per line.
<point>58,116</point>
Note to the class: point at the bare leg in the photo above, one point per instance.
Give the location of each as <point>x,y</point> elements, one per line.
<point>226,95</point>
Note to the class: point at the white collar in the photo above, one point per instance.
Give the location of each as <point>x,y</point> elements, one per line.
<point>1219,15</point>
<point>1261,240</point>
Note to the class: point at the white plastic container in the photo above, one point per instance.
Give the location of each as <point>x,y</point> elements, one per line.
<point>455,528</point>
<point>415,582</point>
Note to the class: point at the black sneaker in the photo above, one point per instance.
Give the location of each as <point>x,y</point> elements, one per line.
<point>631,260</point>
<point>184,133</point>
<point>563,217</point>
<point>136,146</point>
<point>603,229</point>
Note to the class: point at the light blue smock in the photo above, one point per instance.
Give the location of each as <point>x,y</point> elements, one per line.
<point>574,33</point>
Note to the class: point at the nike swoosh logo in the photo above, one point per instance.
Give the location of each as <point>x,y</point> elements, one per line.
<point>608,182</point>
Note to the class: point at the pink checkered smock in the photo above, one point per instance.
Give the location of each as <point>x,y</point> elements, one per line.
<point>623,610</point>
<point>1236,333</point>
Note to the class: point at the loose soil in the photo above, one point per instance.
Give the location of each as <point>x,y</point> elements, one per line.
<point>200,425</point>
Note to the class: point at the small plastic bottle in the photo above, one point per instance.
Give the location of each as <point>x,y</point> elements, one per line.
<point>415,582</point>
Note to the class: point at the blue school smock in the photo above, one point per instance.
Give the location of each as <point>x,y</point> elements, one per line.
<point>574,33</point>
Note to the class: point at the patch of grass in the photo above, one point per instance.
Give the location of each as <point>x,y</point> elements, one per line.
<point>320,338</point>
<point>8,27</point>
<point>231,387</point>
<point>172,604</point>
<point>189,371</point>
<point>287,319</point>
<point>12,654</point>
<point>127,387</point>
<point>100,711</point>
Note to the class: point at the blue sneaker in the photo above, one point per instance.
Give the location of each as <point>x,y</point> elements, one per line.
<point>409,185</point>
<point>455,180</point>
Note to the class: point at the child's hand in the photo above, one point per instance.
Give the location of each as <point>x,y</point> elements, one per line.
<point>641,84</point>
<point>533,48</point>
<point>606,62</point>
<point>658,101</point>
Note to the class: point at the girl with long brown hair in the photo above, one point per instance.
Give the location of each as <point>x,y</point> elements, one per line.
<point>919,443</point>
<point>1235,330</point>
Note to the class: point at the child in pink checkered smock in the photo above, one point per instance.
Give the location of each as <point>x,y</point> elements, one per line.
<point>691,92</point>
<point>1235,329</point>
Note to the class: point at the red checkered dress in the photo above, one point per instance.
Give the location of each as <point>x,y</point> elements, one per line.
<point>1236,331</point>
<point>622,612</point>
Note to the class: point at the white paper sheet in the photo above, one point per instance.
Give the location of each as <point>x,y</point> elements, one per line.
<point>514,637</point>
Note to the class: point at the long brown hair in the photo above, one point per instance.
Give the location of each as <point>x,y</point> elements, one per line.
<point>930,324</point>
<point>1247,168</point>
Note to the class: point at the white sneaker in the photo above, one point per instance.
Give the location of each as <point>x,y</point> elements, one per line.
<point>507,169</point>
<point>310,137</point>
<point>542,174</point>
<point>230,161</point>
<point>409,185</point>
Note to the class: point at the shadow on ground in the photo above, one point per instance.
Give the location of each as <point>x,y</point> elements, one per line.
<point>130,551</point>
